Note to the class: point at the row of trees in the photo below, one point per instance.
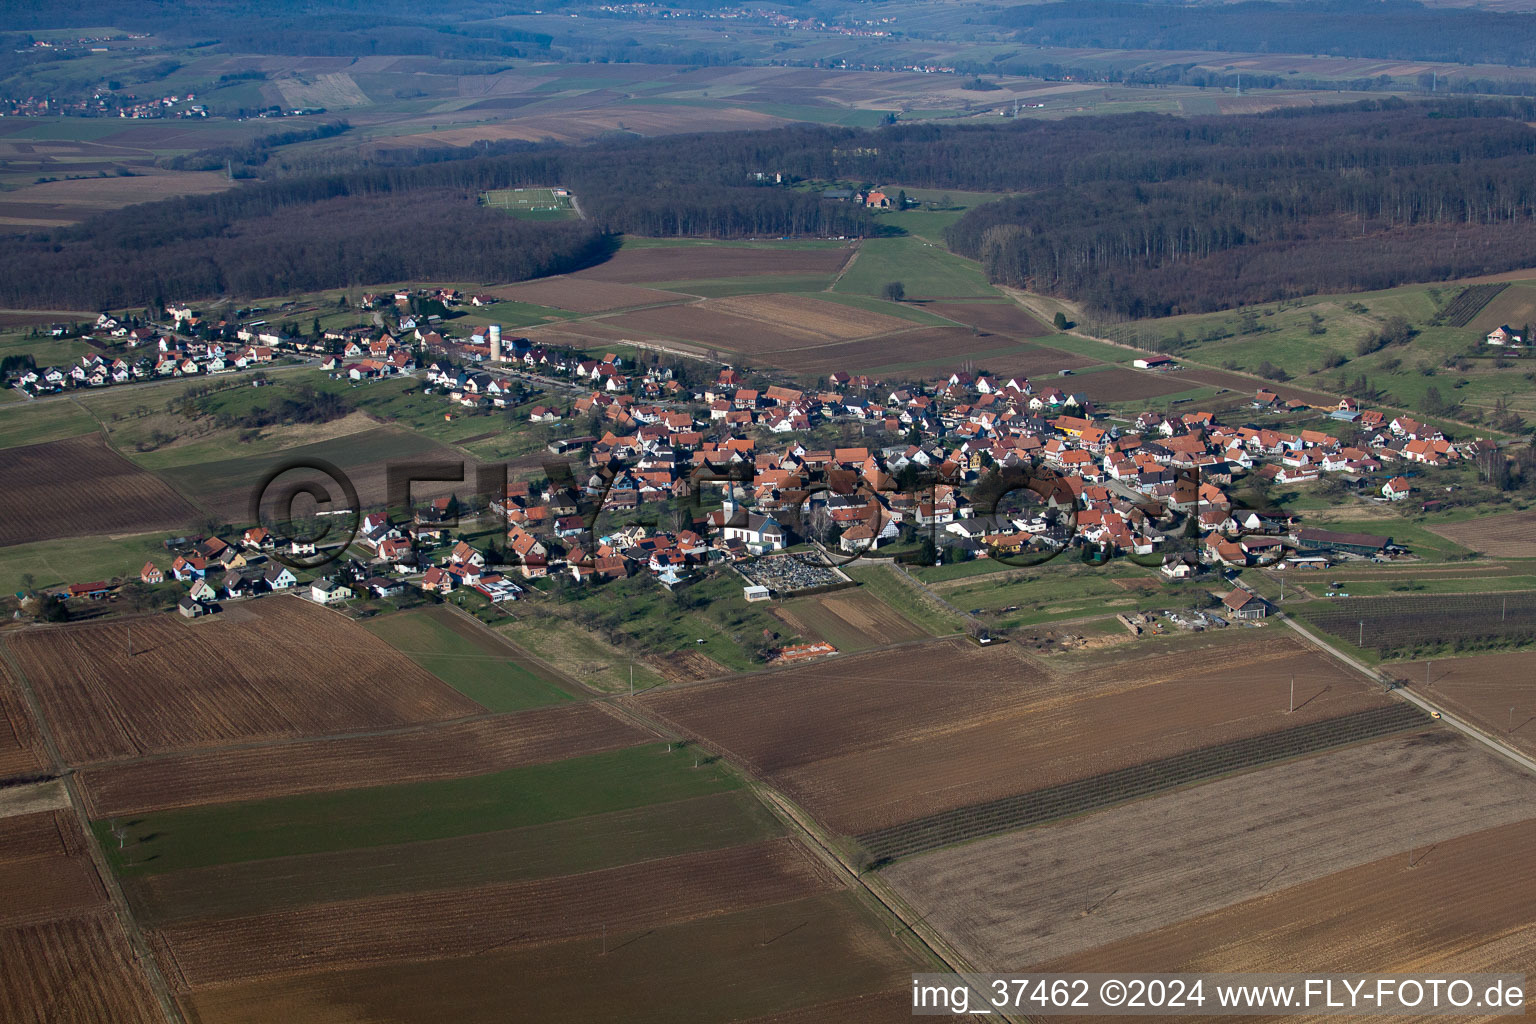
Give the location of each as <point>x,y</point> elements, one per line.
<point>129,258</point>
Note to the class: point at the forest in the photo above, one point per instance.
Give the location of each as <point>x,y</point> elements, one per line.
<point>1389,29</point>
<point>1135,214</point>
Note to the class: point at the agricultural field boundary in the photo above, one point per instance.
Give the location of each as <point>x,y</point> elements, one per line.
<point>1469,302</point>
<point>1072,798</point>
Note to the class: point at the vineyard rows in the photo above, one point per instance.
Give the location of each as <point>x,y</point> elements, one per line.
<point>1013,812</point>
<point>1467,305</point>
<point>1395,624</point>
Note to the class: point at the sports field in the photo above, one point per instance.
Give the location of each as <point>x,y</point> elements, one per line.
<point>531,203</point>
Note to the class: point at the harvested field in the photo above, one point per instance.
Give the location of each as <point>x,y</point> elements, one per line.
<point>324,766</point>
<point>1097,791</point>
<point>725,967</point>
<point>573,846</point>
<point>1398,913</point>
<point>851,620</point>
<point>1482,689</point>
<point>420,926</point>
<point>582,296</point>
<point>887,737</point>
<point>285,669</point>
<point>708,262</point>
<point>1508,534</point>
<point>832,320</point>
<point>1005,318</point>
<point>1122,384</point>
<point>1152,863</point>
<point>81,486</point>
<point>21,751</point>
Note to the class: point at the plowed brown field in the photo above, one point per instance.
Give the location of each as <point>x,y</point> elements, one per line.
<point>77,969</point>
<point>1495,692</point>
<point>285,669</point>
<point>1507,535</point>
<point>80,486</point>
<point>825,949</point>
<point>1120,384</point>
<point>878,739</point>
<point>319,766</point>
<point>584,296</point>
<point>851,620</point>
<point>1047,892</point>
<point>708,262</point>
<point>65,956</point>
<point>466,922</point>
<point>831,320</point>
<point>21,752</point>
<point>1005,318</point>
<point>1464,904</point>
<point>702,324</point>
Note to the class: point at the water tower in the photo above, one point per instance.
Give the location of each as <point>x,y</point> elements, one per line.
<point>495,331</point>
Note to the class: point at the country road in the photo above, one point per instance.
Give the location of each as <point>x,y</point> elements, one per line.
<point>1466,729</point>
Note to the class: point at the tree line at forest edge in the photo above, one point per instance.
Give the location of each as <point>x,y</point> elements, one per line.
<point>1135,215</point>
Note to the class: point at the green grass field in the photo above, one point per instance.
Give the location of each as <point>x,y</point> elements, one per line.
<point>49,419</point>
<point>412,812</point>
<point>926,269</point>
<point>564,847</point>
<point>482,668</point>
<point>78,560</point>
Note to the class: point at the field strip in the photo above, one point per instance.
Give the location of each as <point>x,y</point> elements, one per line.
<point>28,799</point>
<point>811,836</point>
<point>1074,885</point>
<point>1080,796</point>
<point>142,953</point>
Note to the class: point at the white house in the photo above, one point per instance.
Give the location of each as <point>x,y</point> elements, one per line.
<point>1396,489</point>
<point>328,591</point>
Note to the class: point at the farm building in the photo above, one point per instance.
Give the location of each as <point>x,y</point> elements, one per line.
<point>1244,604</point>
<point>1312,539</point>
<point>1153,363</point>
<point>94,591</point>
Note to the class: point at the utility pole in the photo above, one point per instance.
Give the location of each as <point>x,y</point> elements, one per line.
<point>1361,643</point>
<point>631,678</point>
<point>1293,694</point>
